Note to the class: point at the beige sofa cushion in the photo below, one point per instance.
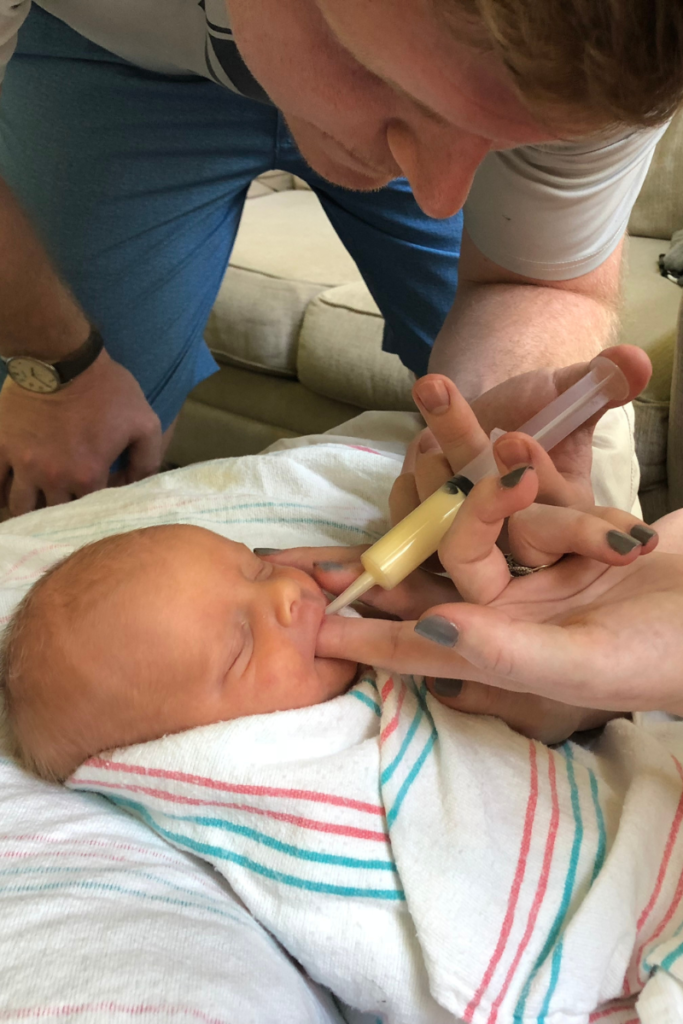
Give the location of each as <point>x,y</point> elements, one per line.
<point>286,253</point>
<point>658,211</point>
<point>650,311</point>
<point>340,352</point>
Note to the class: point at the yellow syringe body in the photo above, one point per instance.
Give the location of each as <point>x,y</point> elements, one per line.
<point>409,543</point>
<point>415,538</point>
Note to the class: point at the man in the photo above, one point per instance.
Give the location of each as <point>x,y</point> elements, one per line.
<point>124,136</point>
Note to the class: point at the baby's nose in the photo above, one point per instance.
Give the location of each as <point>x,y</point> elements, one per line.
<point>286,593</point>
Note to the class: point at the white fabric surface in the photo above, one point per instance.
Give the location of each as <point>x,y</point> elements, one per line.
<point>548,211</point>
<point>100,921</point>
<point>120,924</point>
<point>429,866</point>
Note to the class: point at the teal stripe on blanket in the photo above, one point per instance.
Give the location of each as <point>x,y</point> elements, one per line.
<point>275,844</point>
<point>393,765</point>
<point>221,513</point>
<point>108,887</point>
<point>364,699</point>
<point>410,778</point>
<point>208,850</point>
<point>561,914</point>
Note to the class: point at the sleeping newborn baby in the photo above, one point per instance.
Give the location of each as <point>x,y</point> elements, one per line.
<point>427,866</point>
<point>156,631</point>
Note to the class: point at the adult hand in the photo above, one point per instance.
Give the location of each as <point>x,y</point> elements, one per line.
<point>549,652</point>
<point>57,447</point>
<point>457,432</point>
<point>590,634</point>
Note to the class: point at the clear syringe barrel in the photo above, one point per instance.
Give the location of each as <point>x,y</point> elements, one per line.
<point>395,555</point>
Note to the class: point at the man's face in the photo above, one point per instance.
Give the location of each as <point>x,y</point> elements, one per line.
<point>376,89</point>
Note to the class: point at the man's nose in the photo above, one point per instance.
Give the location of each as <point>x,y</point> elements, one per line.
<point>439,162</point>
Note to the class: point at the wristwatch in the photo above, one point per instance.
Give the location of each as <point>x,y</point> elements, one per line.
<point>44,378</point>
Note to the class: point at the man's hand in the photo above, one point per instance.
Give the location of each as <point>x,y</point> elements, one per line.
<point>57,447</point>
<point>456,432</point>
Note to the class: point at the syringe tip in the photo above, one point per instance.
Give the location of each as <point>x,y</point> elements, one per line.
<point>359,587</point>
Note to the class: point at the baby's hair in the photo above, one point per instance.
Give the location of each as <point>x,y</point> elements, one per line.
<point>79,584</point>
<point>12,659</point>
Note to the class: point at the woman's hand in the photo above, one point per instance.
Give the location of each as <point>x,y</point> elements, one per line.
<point>520,644</point>
<point>600,629</point>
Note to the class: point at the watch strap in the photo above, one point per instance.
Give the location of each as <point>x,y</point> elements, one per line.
<point>69,368</point>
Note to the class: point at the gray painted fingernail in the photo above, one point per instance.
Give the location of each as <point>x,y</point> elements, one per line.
<point>512,479</point>
<point>266,551</point>
<point>448,687</point>
<point>329,566</point>
<point>439,630</point>
<point>643,534</point>
<point>621,542</point>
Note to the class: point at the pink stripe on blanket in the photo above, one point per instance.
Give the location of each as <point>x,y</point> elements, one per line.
<point>293,819</point>
<point>362,448</point>
<point>139,1010</point>
<point>106,845</point>
<point>666,858</point>
<point>392,725</point>
<point>516,886</point>
<point>540,889</point>
<point>227,787</point>
<point>620,1006</point>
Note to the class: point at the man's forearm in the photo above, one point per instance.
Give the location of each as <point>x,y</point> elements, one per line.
<point>501,326</point>
<point>495,332</point>
<point>38,315</point>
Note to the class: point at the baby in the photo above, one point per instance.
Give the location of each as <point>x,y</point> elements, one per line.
<point>428,867</point>
<point>153,632</point>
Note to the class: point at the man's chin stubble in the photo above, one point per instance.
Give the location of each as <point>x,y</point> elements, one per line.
<point>355,180</point>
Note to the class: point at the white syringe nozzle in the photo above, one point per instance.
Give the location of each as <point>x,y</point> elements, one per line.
<point>359,587</point>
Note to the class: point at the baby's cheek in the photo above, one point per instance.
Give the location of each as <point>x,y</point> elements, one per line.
<point>334,676</point>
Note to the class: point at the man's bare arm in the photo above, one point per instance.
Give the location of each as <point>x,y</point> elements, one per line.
<point>57,446</point>
<point>502,324</point>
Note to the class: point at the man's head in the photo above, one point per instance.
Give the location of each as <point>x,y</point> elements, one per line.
<point>157,631</point>
<point>373,89</point>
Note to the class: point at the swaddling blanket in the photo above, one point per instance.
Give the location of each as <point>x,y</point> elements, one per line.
<point>430,866</point>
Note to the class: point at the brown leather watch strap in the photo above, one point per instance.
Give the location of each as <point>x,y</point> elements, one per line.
<point>81,359</point>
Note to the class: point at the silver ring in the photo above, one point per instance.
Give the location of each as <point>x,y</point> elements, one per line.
<point>523,570</point>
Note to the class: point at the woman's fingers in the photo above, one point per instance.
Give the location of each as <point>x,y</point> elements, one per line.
<point>450,418</point>
<point>403,497</point>
<point>541,534</point>
<point>539,718</point>
<point>515,449</point>
<point>469,551</point>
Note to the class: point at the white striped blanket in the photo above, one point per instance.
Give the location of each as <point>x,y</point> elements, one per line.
<point>429,866</point>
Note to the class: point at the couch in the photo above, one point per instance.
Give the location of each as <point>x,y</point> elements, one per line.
<point>298,337</point>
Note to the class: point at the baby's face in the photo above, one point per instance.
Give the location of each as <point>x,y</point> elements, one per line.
<point>197,630</point>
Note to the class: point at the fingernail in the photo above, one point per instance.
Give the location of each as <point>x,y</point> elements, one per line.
<point>621,542</point>
<point>439,630</point>
<point>643,534</point>
<point>329,566</point>
<point>448,687</point>
<point>433,395</point>
<point>512,479</point>
<point>266,551</point>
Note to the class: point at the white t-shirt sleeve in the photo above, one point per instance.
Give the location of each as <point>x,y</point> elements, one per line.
<point>12,14</point>
<point>558,210</point>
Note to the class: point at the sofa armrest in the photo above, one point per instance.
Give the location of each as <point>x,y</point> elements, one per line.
<point>674,455</point>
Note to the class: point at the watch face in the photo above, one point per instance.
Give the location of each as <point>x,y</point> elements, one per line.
<point>33,375</point>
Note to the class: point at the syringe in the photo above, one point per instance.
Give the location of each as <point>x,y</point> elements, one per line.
<point>418,536</point>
